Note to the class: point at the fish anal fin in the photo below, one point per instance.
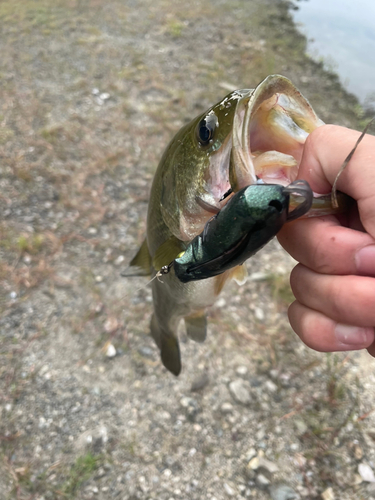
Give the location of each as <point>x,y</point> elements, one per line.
<point>167,252</point>
<point>141,264</point>
<point>196,326</point>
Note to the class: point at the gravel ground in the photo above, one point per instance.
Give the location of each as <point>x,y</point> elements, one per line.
<point>90,94</point>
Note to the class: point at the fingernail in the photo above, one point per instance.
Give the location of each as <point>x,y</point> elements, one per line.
<point>365,260</point>
<point>353,335</point>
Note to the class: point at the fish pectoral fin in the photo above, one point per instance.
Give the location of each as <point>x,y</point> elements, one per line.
<point>240,274</point>
<point>141,264</point>
<point>167,252</point>
<point>196,326</point>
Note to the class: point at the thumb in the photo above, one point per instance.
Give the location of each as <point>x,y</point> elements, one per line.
<point>324,153</point>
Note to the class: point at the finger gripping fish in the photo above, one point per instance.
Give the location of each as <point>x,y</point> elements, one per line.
<point>250,219</point>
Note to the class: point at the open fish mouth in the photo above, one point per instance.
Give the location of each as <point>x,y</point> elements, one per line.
<point>271,125</point>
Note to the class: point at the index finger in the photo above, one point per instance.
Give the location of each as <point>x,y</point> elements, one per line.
<point>324,153</point>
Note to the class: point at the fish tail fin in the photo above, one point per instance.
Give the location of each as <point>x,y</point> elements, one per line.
<point>168,345</point>
<point>196,326</point>
<point>141,264</point>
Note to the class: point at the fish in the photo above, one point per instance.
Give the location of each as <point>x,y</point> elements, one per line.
<point>249,138</point>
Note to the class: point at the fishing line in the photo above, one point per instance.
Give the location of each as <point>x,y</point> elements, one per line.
<point>343,166</point>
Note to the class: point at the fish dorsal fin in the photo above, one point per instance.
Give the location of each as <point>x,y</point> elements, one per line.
<point>167,252</point>
<point>196,326</point>
<point>141,264</point>
<point>238,273</point>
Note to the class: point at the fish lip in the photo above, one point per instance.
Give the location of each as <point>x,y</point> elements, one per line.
<point>242,170</point>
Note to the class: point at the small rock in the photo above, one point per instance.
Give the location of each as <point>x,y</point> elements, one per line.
<point>301,426</point>
<point>239,391</point>
<point>200,382</point>
<point>226,408</point>
<point>100,473</point>
<point>191,406</point>
<point>357,479</point>
<point>328,494</point>
<point>282,492</point>
<point>111,351</point>
<point>120,259</point>
<point>366,473</point>
<point>358,452</point>
<point>229,490</point>
<point>241,370</point>
<point>221,303</point>
<point>268,465</point>
<point>146,352</point>
<point>259,276</point>
<point>271,386</point>
<point>104,96</point>
<point>259,314</point>
<point>251,454</point>
<point>111,325</point>
<point>262,480</point>
<point>254,463</point>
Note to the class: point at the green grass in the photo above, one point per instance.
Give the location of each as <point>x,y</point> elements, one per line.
<point>83,469</point>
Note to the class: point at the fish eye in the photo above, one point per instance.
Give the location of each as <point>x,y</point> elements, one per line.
<point>206,129</point>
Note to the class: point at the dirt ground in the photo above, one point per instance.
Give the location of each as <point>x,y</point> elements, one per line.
<point>90,94</point>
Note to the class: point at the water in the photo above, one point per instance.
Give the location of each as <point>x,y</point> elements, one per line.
<point>343,33</point>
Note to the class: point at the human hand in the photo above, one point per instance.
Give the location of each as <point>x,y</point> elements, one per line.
<point>334,282</point>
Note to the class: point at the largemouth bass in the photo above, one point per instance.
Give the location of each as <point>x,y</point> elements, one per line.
<point>250,135</point>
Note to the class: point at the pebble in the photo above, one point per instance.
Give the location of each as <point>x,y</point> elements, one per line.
<point>262,480</point>
<point>328,494</point>
<point>241,370</point>
<point>111,351</point>
<point>282,492</point>
<point>226,408</point>
<point>200,382</point>
<point>120,259</point>
<point>259,276</point>
<point>229,490</point>
<point>358,452</point>
<point>221,303</point>
<point>301,426</point>
<point>239,391</point>
<point>259,314</point>
<point>366,473</point>
<point>111,325</point>
<point>271,386</point>
<point>146,352</point>
<point>191,406</point>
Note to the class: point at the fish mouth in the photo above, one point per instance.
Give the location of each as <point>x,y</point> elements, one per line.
<point>271,125</point>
